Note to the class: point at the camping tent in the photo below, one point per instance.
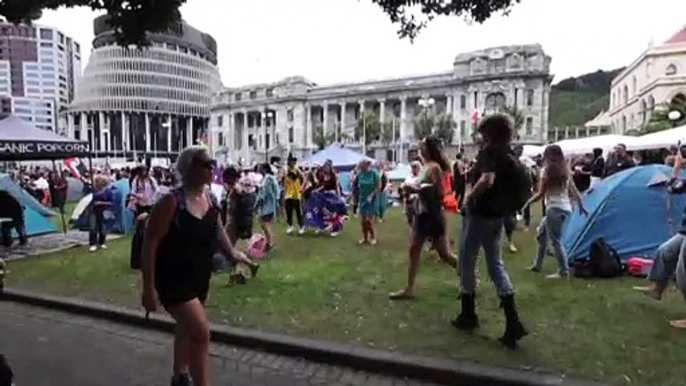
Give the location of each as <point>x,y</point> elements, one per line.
<point>400,172</point>
<point>36,216</point>
<point>661,139</point>
<point>342,157</point>
<point>123,217</point>
<point>532,150</point>
<point>20,140</point>
<point>631,210</point>
<point>586,145</point>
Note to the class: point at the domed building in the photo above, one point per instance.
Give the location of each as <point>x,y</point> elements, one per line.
<point>153,100</point>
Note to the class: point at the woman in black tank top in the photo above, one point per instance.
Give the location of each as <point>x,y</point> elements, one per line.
<point>183,233</point>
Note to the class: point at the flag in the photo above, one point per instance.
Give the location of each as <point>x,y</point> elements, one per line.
<point>476,116</point>
<point>76,167</point>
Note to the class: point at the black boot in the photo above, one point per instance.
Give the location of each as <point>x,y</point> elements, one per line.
<point>181,380</point>
<point>467,320</point>
<point>514,330</point>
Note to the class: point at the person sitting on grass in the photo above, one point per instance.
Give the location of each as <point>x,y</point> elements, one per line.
<point>670,259</point>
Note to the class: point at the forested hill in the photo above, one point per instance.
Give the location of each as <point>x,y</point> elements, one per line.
<point>574,101</point>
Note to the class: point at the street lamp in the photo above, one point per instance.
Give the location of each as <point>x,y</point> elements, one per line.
<point>674,116</point>
<point>427,103</point>
<point>266,116</point>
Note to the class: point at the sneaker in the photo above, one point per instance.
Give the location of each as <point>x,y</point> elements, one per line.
<point>519,217</point>
<point>334,234</point>
<point>301,231</point>
<point>512,248</point>
<point>290,230</point>
<point>372,242</point>
<point>181,380</point>
<point>534,268</point>
<point>93,248</point>
<point>557,276</point>
<point>103,246</point>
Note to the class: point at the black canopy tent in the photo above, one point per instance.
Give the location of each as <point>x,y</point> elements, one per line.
<point>22,141</point>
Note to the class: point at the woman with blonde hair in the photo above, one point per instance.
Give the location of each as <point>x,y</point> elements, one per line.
<point>183,232</point>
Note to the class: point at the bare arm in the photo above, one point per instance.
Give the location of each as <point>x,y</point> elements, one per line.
<point>158,226</point>
<point>678,164</point>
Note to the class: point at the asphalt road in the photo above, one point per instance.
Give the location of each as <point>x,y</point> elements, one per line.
<point>48,348</point>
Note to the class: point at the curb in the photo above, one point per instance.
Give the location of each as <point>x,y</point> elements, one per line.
<point>368,360</point>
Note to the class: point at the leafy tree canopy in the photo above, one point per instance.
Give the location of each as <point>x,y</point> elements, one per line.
<point>659,119</point>
<point>404,12</point>
<point>368,128</point>
<point>322,139</point>
<point>130,19</point>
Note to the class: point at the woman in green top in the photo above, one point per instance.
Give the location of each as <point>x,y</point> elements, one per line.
<point>369,184</point>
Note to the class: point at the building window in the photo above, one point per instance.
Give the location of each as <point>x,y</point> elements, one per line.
<point>476,99</point>
<point>270,92</point>
<point>463,129</point>
<point>253,94</point>
<point>289,114</point>
<point>529,126</point>
<point>46,34</point>
<point>238,97</point>
<point>530,97</point>
<point>463,102</point>
<point>46,44</point>
<point>516,97</point>
<point>671,70</point>
<point>291,135</point>
<point>220,120</point>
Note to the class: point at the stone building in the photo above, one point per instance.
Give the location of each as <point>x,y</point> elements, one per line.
<point>655,78</point>
<point>281,117</point>
<point>152,101</point>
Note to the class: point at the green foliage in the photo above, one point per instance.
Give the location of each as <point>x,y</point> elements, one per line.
<point>660,121</point>
<point>368,128</point>
<point>445,128</point>
<point>322,139</point>
<point>423,125</point>
<point>400,11</point>
<point>387,136</point>
<point>131,19</point>
<point>574,101</point>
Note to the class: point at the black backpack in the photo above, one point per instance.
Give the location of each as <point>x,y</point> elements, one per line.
<point>519,181</point>
<point>603,262</point>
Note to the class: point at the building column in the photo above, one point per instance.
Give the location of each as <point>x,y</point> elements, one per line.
<point>448,104</point>
<point>83,131</point>
<point>169,133</point>
<point>101,125</point>
<point>382,110</point>
<point>70,125</point>
<point>325,123</point>
<point>361,103</point>
<point>246,147</point>
<point>189,132</point>
<point>148,139</point>
<point>124,133</point>
<point>229,133</point>
<point>342,121</point>
<point>308,127</point>
<point>403,118</point>
<point>576,132</point>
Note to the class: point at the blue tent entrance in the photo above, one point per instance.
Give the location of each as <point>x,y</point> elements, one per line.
<point>123,217</point>
<point>631,210</point>
<point>36,216</point>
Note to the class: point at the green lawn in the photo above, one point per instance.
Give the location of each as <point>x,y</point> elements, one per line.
<point>337,290</point>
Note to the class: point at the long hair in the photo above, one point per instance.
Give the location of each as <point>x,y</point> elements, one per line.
<point>556,168</point>
<point>434,152</point>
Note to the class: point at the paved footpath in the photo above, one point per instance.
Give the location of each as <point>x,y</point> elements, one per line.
<point>49,348</point>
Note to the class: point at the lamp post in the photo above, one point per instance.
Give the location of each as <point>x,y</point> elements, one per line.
<point>266,116</point>
<point>674,117</point>
<point>426,103</point>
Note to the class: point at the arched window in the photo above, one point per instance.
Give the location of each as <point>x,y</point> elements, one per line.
<point>671,70</point>
<point>679,99</point>
<point>625,98</point>
<point>644,114</point>
<point>495,102</point>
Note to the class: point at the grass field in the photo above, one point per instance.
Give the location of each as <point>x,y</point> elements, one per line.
<point>335,289</point>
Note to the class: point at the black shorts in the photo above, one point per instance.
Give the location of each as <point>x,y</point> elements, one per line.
<point>429,226</point>
<point>172,292</point>
<point>267,218</point>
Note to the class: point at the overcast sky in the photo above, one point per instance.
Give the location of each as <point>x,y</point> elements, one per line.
<point>334,41</point>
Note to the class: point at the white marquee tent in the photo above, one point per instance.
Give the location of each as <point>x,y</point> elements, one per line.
<point>605,142</point>
<point>659,140</point>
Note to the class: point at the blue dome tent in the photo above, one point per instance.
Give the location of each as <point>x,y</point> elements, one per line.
<point>36,216</point>
<point>343,159</point>
<point>631,210</point>
<point>123,217</point>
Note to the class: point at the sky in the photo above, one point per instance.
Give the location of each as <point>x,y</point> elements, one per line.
<point>338,41</point>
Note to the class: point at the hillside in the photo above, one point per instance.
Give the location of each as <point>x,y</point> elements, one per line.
<point>576,100</point>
